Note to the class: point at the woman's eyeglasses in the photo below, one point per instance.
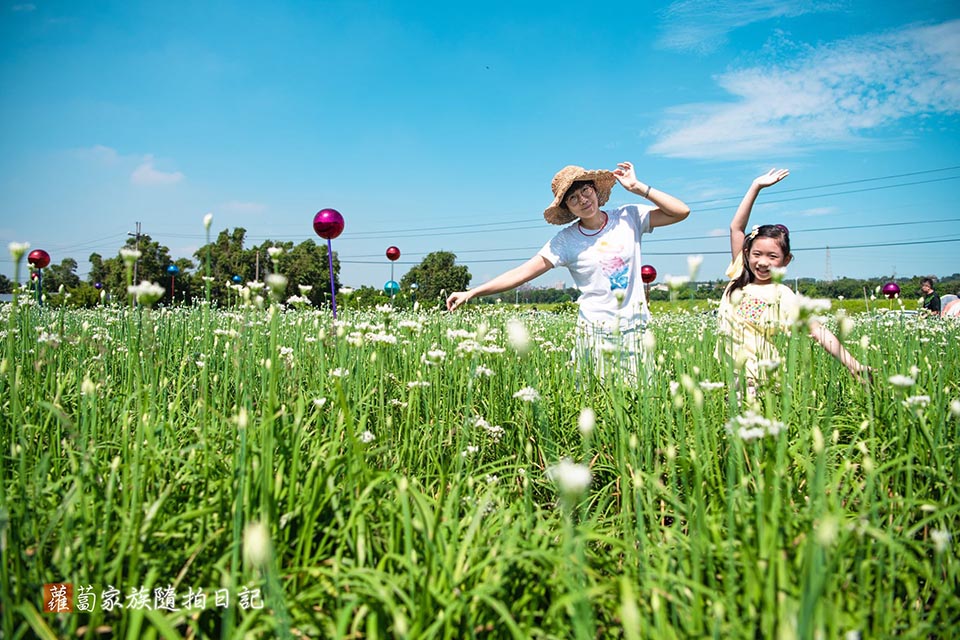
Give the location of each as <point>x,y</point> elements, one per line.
<point>574,195</point>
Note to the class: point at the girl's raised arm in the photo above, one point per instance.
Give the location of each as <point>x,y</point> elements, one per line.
<point>738,225</point>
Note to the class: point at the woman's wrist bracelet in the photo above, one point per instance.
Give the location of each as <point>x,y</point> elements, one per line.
<point>647,193</point>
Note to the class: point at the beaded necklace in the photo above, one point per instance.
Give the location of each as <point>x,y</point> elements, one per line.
<point>606,218</point>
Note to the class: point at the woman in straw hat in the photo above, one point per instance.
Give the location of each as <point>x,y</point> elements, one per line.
<point>601,249</point>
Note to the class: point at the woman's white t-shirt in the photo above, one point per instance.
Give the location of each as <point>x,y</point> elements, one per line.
<point>606,268</point>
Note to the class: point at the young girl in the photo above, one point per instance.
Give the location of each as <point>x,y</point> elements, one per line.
<point>755,306</point>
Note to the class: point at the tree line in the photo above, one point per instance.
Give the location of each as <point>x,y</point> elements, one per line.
<point>226,262</point>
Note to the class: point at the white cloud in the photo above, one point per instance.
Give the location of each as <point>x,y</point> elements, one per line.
<point>701,26</point>
<point>100,153</point>
<point>236,206</point>
<point>148,175</point>
<point>835,94</point>
<point>718,233</point>
<point>26,6</point>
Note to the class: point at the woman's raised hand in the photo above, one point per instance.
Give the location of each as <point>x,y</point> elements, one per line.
<point>771,177</point>
<point>625,175</point>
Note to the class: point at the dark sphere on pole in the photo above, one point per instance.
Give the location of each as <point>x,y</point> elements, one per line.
<point>648,274</point>
<point>38,258</point>
<point>328,223</point>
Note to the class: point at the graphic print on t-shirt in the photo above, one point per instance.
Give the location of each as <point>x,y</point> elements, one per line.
<point>752,309</point>
<point>613,267</point>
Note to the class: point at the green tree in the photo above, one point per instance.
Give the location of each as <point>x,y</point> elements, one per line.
<point>151,266</point>
<point>6,284</point>
<point>63,274</point>
<point>83,295</point>
<point>307,264</point>
<point>98,271</point>
<point>228,258</point>
<point>438,272</point>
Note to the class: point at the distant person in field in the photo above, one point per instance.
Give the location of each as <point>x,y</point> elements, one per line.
<point>931,301</point>
<point>601,249</point>
<point>755,306</point>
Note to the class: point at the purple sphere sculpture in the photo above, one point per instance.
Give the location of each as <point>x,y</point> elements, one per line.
<point>891,290</point>
<point>328,223</point>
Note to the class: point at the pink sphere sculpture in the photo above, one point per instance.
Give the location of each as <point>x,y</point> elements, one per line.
<point>648,274</point>
<point>38,258</point>
<point>891,290</point>
<point>393,253</point>
<point>328,223</point>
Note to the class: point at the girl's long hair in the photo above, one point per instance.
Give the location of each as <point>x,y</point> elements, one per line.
<point>776,231</point>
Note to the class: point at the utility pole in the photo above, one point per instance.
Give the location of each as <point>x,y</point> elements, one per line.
<point>256,277</point>
<point>137,236</point>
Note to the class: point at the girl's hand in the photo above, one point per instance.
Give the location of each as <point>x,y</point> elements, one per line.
<point>771,177</point>
<point>862,373</point>
<point>626,176</point>
<point>457,298</point>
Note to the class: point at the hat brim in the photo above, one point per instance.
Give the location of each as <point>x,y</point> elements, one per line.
<point>603,181</point>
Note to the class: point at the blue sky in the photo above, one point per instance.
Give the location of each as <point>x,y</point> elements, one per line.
<point>439,126</point>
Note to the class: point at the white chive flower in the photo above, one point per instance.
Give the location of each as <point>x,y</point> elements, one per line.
<point>18,250</point>
<point>146,293</point>
<point>527,394</point>
<point>518,336</point>
<point>587,421</point>
<point>901,381</point>
<point>256,544</point>
<point>572,478</point>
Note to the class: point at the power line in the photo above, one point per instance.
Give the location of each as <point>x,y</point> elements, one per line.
<point>707,237</point>
<point>837,184</point>
<point>659,240</point>
<point>706,253</point>
<point>474,228</point>
<point>842,193</point>
<point>500,226</point>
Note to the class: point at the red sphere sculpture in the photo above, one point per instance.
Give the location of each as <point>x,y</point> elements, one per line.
<point>648,274</point>
<point>891,290</point>
<point>328,223</point>
<point>38,258</point>
<point>393,253</point>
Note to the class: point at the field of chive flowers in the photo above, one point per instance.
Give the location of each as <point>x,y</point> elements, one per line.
<point>434,475</point>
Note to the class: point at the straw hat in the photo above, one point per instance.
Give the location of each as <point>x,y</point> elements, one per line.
<point>603,180</point>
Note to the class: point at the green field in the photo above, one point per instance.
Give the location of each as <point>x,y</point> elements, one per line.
<point>421,475</point>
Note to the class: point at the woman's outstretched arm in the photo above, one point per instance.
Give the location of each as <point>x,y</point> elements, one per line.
<point>535,266</point>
